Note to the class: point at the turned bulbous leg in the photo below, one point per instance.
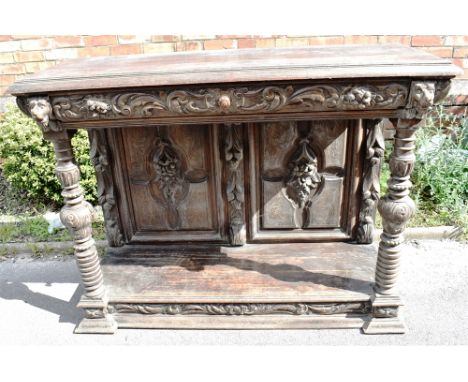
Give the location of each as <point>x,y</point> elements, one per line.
<point>77,215</point>
<point>396,208</point>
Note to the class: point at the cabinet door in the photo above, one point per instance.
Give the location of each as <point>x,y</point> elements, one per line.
<point>303,180</point>
<point>173,188</point>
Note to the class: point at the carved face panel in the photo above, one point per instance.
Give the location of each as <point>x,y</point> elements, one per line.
<point>40,110</point>
<point>423,95</point>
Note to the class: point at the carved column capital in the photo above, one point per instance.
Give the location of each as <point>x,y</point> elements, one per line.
<point>40,109</point>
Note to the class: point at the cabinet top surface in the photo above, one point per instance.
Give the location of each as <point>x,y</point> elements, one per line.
<point>242,65</point>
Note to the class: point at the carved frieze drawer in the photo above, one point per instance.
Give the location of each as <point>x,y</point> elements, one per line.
<point>231,100</point>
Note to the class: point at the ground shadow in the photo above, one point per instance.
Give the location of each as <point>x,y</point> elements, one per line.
<point>284,272</point>
<point>13,287</point>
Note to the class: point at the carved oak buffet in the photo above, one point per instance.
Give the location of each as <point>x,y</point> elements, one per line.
<point>239,188</point>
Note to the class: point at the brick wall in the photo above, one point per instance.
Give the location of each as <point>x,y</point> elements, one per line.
<point>21,55</point>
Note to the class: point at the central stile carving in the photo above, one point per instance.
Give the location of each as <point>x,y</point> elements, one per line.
<point>304,179</point>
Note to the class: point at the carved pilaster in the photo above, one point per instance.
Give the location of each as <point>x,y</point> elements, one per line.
<point>371,181</point>
<point>234,156</point>
<point>77,215</point>
<point>105,188</point>
<point>396,208</point>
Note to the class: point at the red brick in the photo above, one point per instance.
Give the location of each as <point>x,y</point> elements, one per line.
<point>37,44</point>
<point>133,39</point>
<point>189,45</point>
<point>443,51</point>
<point>5,81</point>
<point>68,41</point>
<point>219,44</point>
<point>161,47</point>
<point>29,56</point>
<point>94,51</point>
<point>360,39</point>
<point>126,49</point>
<point>25,37</point>
<point>287,42</point>
<point>13,69</point>
<point>234,36</point>
<point>461,62</point>
<point>403,40</point>
<point>456,40</point>
<point>265,43</point>
<point>33,67</point>
<point>4,37</point>
<point>164,38</point>
<point>61,54</point>
<point>427,40</point>
<point>100,40</point>
<point>6,58</point>
<point>460,52</point>
<point>326,40</point>
<point>197,37</point>
<point>246,43</point>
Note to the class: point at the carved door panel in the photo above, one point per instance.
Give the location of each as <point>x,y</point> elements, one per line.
<point>174,191</point>
<point>303,180</point>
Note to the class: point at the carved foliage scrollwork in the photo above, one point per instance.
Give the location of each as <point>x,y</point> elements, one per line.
<point>232,100</point>
<point>385,311</point>
<point>375,148</point>
<point>247,309</point>
<point>105,191</point>
<point>233,155</point>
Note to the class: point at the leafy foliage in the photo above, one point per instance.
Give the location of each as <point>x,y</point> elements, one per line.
<point>440,177</point>
<point>441,174</point>
<point>28,161</point>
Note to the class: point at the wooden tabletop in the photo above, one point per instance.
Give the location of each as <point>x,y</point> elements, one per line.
<point>242,65</point>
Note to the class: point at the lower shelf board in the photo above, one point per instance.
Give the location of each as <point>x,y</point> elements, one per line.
<point>326,285</point>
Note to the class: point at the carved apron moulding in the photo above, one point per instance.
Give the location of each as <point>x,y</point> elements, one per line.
<point>232,100</point>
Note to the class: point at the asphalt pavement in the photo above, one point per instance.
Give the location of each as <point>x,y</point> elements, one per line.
<point>38,300</point>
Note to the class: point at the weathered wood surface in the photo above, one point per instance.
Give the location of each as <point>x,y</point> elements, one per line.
<point>267,150</point>
<point>228,66</point>
<point>253,273</point>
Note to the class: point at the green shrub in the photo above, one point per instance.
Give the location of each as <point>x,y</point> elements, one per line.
<point>28,161</point>
<point>441,174</point>
<point>440,177</point>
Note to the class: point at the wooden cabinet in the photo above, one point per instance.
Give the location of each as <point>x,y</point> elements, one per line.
<point>239,188</point>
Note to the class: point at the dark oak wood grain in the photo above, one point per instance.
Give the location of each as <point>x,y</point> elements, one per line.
<point>243,65</point>
<point>239,187</point>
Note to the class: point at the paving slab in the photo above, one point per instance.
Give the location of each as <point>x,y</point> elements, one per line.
<point>38,300</point>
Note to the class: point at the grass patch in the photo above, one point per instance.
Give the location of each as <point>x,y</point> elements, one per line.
<point>33,230</point>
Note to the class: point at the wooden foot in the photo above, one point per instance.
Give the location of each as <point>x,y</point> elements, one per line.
<point>384,315</point>
<point>384,326</point>
<point>105,325</point>
<point>97,319</point>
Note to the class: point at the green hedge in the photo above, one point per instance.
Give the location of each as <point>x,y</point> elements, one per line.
<point>28,161</point>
